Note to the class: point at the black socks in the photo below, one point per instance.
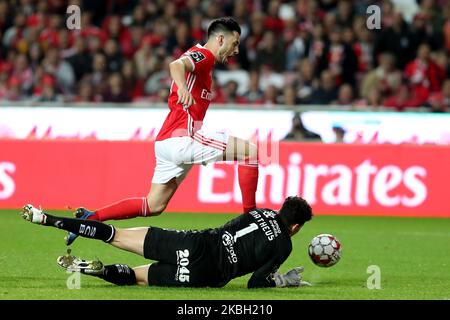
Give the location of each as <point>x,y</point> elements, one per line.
<point>85,228</point>
<point>119,274</point>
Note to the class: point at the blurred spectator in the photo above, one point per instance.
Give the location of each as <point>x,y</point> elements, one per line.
<point>289,97</point>
<point>270,95</point>
<point>14,33</point>
<point>113,56</point>
<point>396,39</point>
<point>3,85</point>
<point>14,90</point>
<point>134,86</point>
<point>342,61</point>
<point>401,99</point>
<point>271,53</point>
<point>160,79</point>
<point>197,33</point>
<point>272,21</point>
<point>423,74</point>
<point>254,93</point>
<point>440,101</point>
<point>60,69</point>
<point>363,46</point>
<point>373,100</point>
<point>115,91</point>
<point>421,32</point>
<point>295,50</point>
<point>317,48</point>
<point>85,93</point>
<point>180,41</point>
<point>345,13</point>
<point>284,45</point>
<point>99,75</point>
<point>446,28</point>
<point>23,73</point>
<point>230,93</point>
<point>327,91</point>
<point>385,78</point>
<point>306,79</point>
<point>441,58</point>
<point>80,59</point>
<point>339,132</point>
<point>48,93</point>
<point>345,95</point>
<point>299,132</point>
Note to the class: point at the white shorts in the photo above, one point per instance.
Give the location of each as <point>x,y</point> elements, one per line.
<point>175,156</point>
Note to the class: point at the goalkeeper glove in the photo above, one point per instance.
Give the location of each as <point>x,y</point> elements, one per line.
<point>292,278</point>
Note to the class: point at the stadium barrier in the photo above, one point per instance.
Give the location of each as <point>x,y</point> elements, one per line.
<point>337,179</point>
<point>103,122</point>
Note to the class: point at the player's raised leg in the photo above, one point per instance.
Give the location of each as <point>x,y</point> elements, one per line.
<point>246,153</point>
<point>131,240</point>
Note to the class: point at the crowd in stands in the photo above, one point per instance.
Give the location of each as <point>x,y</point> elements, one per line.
<point>301,52</point>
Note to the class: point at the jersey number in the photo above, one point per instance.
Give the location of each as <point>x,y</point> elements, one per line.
<point>252,227</point>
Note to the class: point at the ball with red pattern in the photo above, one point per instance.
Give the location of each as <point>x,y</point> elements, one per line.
<point>325,250</point>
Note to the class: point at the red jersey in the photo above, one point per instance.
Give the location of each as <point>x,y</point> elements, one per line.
<point>180,122</point>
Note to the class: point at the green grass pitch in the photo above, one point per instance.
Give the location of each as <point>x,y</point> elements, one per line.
<point>412,254</point>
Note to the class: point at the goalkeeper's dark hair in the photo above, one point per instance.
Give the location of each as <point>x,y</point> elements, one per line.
<point>227,24</point>
<point>295,210</point>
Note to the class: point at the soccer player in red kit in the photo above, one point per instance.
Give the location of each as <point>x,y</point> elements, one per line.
<point>181,143</point>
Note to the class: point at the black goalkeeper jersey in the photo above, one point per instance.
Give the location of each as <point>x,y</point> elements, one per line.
<point>255,242</point>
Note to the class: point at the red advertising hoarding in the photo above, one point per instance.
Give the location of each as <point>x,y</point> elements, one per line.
<point>397,180</point>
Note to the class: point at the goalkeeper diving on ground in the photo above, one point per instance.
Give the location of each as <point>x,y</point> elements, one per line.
<point>257,242</point>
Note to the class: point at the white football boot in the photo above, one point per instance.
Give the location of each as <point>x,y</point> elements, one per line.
<point>74,264</point>
<point>34,215</point>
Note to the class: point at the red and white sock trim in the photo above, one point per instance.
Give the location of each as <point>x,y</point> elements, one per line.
<point>144,208</point>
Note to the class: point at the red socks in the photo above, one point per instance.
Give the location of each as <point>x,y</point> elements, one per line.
<point>138,207</point>
<point>124,209</point>
<point>248,182</point>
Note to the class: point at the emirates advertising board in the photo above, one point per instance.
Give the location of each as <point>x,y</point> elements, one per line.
<point>337,179</point>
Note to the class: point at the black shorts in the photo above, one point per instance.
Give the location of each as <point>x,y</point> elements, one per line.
<point>184,258</point>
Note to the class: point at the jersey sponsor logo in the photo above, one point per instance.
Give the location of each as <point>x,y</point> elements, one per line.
<point>206,95</point>
<point>87,230</point>
<point>183,272</point>
<point>269,214</point>
<point>197,56</point>
<point>228,242</point>
<point>227,239</point>
<point>275,227</point>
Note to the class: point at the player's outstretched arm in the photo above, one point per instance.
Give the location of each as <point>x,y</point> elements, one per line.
<point>262,278</point>
<point>178,69</point>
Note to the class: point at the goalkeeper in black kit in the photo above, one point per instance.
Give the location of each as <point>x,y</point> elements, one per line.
<point>256,242</point>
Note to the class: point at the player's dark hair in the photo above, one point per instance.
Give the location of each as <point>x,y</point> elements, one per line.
<point>295,210</point>
<point>223,25</point>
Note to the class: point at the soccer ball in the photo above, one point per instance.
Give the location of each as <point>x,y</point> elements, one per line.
<point>324,250</point>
